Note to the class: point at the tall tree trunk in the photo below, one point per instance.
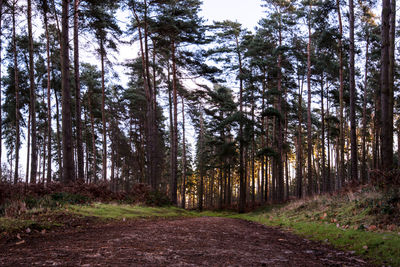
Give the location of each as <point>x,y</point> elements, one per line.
<point>392,64</point>
<point>278,132</point>
<point>242,179</point>
<point>171,122</point>
<point>253,148</point>
<point>285,135</point>
<point>323,169</point>
<point>1,134</point>
<point>328,175</point>
<point>68,158</point>
<point>103,113</point>
<point>59,154</point>
<point>87,154</point>
<point>153,170</point>
<point>364,174</point>
<point>183,155</point>
<point>150,123</point>
<point>309,136</point>
<point>94,176</point>
<point>45,11</point>
<point>174,176</point>
<point>299,151</point>
<point>387,143</point>
<point>78,119</point>
<point>201,163</point>
<point>341,121</point>
<point>263,165</point>
<point>32,96</point>
<point>17,141</point>
<point>28,154</point>
<point>266,160</point>
<point>353,125</point>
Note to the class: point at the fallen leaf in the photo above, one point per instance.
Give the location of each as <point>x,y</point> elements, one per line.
<point>20,242</point>
<point>372,228</point>
<point>18,236</point>
<point>43,231</point>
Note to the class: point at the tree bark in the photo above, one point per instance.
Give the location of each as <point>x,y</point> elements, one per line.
<point>78,120</point>
<point>387,143</point>
<point>32,96</point>
<point>309,136</point>
<point>364,174</point>
<point>94,177</point>
<point>323,169</point>
<point>174,176</point>
<point>242,179</point>
<point>392,65</point>
<point>353,125</point>
<point>1,134</point>
<point>68,158</point>
<point>183,156</point>
<point>201,163</point>
<point>103,113</point>
<point>341,121</point>
<point>17,141</point>
<point>253,148</point>
<point>45,10</point>
<point>328,175</point>
<point>299,145</point>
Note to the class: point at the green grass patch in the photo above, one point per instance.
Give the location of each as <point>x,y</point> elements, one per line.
<point>118,211</point>
<point>12,225</point>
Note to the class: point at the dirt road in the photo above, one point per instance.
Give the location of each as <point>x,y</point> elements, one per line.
<point>184,242</point>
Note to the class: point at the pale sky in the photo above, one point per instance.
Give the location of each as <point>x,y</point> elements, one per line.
<point>247,12</point>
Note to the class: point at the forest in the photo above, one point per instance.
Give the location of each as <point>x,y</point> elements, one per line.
<point>210,113</point>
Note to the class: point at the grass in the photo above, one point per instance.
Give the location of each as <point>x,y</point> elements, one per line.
<point>343,221</point>
<point>114,211</point>
<point>12,225</point>
<point>380,248</point>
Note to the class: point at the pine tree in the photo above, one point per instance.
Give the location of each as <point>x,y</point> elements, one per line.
<point>68,158</point>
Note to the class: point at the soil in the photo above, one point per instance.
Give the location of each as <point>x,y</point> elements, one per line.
<point>201,241</point>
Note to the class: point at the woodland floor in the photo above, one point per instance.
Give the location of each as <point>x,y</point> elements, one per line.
<point>203,241</point>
